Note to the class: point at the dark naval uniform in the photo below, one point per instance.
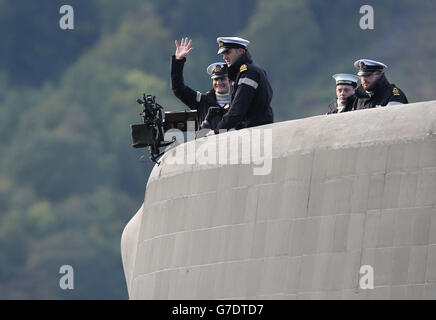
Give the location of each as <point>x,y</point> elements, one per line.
<point>193,99</point>
<point>250,98</point>
<point>251,92</point>
<point>349,105</point>
<point>346,81</point>
<point>382,94</point>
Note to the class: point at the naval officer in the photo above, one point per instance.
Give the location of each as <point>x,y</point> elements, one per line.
<point>251,92</point>
<point>375,89</point>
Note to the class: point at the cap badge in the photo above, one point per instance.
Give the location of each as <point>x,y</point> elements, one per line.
<point>221,44</point>
<point>243,68</point>
<point>395,92</point>
<point>217,69</point>
<point>362,66</point>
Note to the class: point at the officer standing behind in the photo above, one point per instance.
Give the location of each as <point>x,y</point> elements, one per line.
<point>375,90</point>
<point>218,97</point>
<point>345,87</point>
<point>251,92</point>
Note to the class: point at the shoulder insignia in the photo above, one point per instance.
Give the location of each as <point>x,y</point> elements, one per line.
<point>395,92</point>
<point>243,68</point>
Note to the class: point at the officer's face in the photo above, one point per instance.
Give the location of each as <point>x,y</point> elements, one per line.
<point>231,55</point>
<point>369,80</point>
<point>343,91</point>
<point>221,85</point>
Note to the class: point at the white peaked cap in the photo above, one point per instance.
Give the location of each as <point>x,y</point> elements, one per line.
<point>367,66</point>
<point>226,43</point>
<point>345,78</point>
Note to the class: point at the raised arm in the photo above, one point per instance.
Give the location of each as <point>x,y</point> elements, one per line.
<point>188,96</point>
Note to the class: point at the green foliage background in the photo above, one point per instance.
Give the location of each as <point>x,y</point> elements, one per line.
<point>69,179</point>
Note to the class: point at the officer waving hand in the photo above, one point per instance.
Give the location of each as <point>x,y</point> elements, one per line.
<point>215,99</point>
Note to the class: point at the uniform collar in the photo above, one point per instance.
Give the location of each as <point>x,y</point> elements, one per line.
<point>339,104</point>
<point>379,86</point>
<point>336,106</point>
<point>233,70</point>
